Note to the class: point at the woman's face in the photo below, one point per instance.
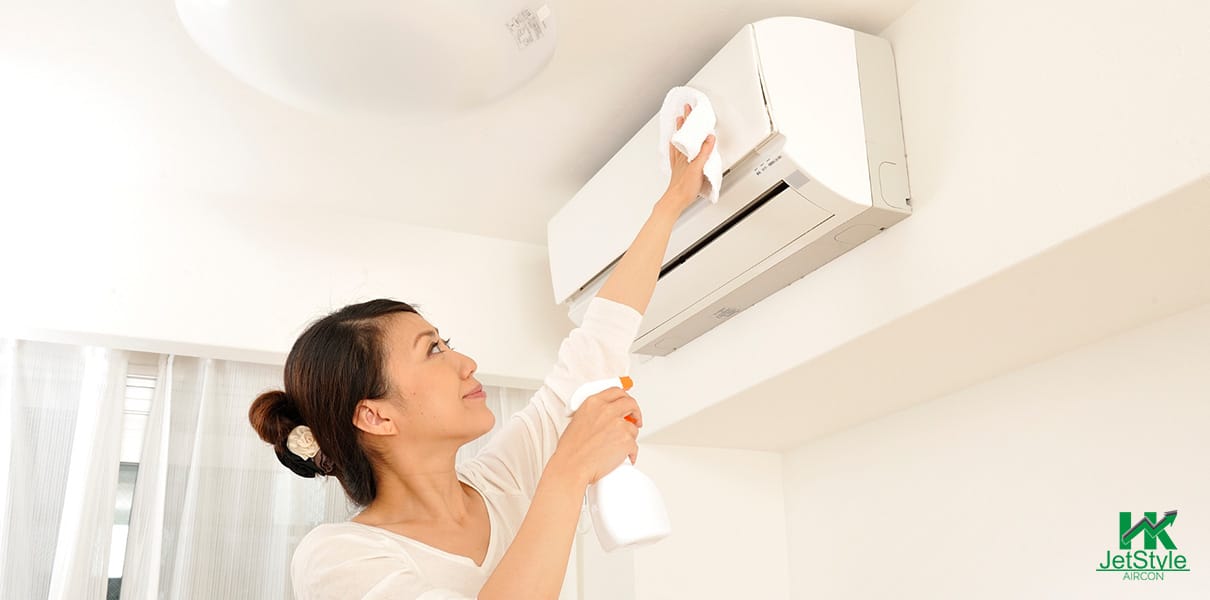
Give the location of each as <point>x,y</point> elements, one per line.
<point>435,384</point>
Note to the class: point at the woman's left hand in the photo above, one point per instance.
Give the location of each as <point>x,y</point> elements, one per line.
<point>687,178</point>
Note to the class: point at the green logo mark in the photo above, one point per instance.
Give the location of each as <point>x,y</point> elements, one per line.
<point>1148,527</point>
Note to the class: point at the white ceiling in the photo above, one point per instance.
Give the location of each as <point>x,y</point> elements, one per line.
<point>188,131</point>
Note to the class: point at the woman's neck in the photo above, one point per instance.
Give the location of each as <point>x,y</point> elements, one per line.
<point>418,490</point>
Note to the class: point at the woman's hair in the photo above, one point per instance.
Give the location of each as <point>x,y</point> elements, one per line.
<point>338,361</point>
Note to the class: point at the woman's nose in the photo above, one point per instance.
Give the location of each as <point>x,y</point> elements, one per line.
<point>469,366</point>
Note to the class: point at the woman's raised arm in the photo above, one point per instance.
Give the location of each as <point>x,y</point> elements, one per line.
<point>633,280</point>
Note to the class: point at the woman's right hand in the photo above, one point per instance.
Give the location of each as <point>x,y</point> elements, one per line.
<point>687,178</point>
<point>599,436</point>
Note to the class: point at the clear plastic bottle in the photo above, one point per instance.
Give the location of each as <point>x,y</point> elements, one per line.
<point>627,509</point>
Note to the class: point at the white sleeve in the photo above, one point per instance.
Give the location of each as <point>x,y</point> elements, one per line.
<point>599,348</point>
<point>346,566</point>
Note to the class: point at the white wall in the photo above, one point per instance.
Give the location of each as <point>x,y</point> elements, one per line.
<point>1026,124</point>
<point>728,531</point>
<point>728,539</point>
<point>149,200</point>
<point>81,263</point>
<point>1012,488</point>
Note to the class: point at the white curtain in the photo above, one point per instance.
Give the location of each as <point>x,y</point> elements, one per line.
<point>60,433</point>
<point>215,515</point>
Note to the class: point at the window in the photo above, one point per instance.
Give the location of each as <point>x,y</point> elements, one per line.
<point>141,380</point>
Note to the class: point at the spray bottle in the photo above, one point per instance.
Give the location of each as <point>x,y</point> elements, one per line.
<point>627,509</point>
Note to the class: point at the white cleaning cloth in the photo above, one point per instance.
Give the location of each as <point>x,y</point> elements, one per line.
<point>688,139</point>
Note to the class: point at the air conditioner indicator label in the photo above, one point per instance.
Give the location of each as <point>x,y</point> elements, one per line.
<point>765,164</point>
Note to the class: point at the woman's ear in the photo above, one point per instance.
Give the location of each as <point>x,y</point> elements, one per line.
<point>375,417</point>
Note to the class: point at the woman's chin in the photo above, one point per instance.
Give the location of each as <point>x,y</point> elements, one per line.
<point>491,420</point>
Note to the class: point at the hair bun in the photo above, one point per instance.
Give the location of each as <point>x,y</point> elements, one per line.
<point>273,416</point>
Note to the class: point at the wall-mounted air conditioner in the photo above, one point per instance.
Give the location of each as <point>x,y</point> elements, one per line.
<point>813,161</point>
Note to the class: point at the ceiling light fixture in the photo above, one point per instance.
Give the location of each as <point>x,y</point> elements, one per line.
<point>377,56</point>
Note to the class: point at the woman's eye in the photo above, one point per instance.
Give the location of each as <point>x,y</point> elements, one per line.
<point>438,346</point>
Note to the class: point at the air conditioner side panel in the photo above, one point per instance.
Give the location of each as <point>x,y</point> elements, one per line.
<point>883,124</point>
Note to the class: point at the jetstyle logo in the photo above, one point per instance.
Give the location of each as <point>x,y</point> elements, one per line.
<point>1145,564</point>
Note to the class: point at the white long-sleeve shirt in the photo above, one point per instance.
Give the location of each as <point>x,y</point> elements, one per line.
<point>353,560</point>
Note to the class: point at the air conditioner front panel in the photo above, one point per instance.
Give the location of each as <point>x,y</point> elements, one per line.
<point>810,70</point>
<point>732,81</point>
<point>598,224</point>
<point>810,251</point>
<point>778,222</point>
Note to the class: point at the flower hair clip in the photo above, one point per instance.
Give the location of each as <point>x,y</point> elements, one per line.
<point>302,443</point>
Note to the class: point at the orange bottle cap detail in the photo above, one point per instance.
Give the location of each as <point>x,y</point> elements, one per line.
<point>628,383</point>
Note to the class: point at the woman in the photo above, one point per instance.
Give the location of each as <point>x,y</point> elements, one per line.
<point>376,399</point>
